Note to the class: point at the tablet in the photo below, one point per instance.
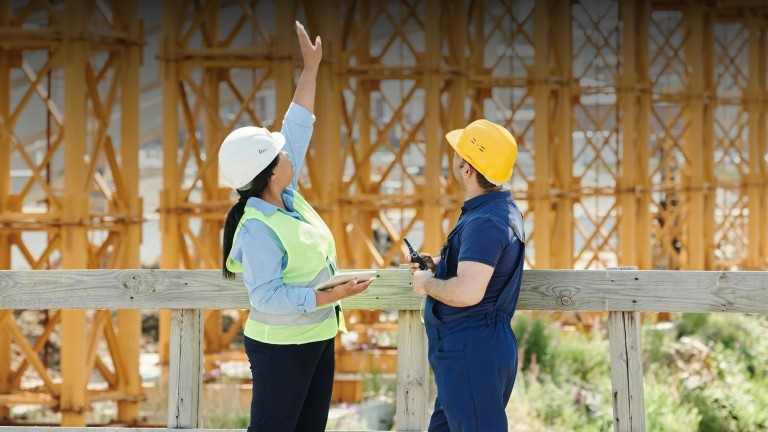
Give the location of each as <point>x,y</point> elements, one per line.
<point>340,278</point>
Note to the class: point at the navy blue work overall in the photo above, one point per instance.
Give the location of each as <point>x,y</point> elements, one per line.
<point>474,355</point>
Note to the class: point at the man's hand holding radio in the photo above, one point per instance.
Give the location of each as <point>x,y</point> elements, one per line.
<point>430,261</point>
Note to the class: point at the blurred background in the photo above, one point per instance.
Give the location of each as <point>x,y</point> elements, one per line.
<point>642,139</point>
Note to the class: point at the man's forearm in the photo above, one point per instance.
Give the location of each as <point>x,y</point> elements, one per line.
<point>448,291</point>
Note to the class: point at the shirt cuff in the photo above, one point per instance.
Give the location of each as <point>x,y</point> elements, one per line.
<point>298,114</point>
<point>309,302</point>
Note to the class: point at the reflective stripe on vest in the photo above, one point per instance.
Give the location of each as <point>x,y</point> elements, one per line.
<point>311,260</point>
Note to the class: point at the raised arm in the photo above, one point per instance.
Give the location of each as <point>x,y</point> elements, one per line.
<point>311,54</point>
<point>297,124</point>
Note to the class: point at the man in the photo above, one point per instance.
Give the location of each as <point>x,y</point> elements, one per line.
<point>472,288</point>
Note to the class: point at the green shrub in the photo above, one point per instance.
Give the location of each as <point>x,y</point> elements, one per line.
<point>534,341</point>
<point>691,324</point>
<point>664,410</point>
<point>706,373</point>
<point>735,400</point>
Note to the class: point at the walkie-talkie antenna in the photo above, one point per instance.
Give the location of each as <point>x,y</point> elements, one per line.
<point>415,257</point>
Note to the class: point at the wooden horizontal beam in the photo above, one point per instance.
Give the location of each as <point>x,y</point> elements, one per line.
<point>108,429</point>
<point>101,429</point>
<point>553,290</point>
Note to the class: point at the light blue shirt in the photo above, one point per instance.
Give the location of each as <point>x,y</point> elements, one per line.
<point>258,248</point>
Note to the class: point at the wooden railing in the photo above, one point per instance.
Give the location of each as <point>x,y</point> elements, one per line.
<point>621,292</point>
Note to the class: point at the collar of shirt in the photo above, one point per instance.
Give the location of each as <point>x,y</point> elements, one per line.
<point>269,209</point>
<point>472,204</point>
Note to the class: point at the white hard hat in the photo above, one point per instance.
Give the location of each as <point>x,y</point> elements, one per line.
<point>245,152</point>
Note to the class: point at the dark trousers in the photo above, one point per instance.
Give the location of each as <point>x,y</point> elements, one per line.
<point>475,368</point>
<point>292,385</point>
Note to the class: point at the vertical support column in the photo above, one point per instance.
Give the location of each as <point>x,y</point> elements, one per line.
<point>210,230</point>
<point>284,69</point>
<point>5,141</point>
<point>635,105</point>
<point>561,137</point>
<point>431,193</point>
<point>5,196</point>
<point>754,104</point>
<point>186,369</point>
<point>74,245</point>
<point>169,218</point>
<point>628,93</point>
<point>458,88</point>
<point>365,86</point>
<point>327,140</point>
<point>129,321</point>
<point>762,144</point>
<point>412,373</point>
<point>642,131</point>
<point>542,208</point>
<point>626,369</point>
<point>708,144</point>
<point>697,132</point>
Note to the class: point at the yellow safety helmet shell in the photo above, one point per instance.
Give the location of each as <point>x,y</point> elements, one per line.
<point>488,147</point>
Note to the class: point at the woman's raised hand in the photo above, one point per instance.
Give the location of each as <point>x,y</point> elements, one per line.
<point>312,54</point>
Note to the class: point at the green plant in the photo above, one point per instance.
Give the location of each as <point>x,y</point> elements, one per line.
<point>533,341</point>
<point>664,410</point>
<point>690,323</point>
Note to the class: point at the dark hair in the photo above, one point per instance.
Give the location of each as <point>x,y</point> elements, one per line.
<point>258,185</point>
<point>481,180</point>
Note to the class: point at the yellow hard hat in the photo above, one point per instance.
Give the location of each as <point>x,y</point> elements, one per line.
<point>490,148</point>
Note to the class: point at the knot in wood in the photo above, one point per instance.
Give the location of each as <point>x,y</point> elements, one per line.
<point>566,301</point>
<point>138,283</point>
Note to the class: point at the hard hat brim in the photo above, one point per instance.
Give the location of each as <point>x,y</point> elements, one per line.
<point>453,139</point>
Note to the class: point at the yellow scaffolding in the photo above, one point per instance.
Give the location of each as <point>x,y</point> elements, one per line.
<point>88,55</point>
<point>642,136</point>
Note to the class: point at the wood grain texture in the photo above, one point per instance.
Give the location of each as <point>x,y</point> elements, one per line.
<point>555,290</point>
<point>626,355</point>
<point>114,429</point>
<point>412,373</point>
<point>626,371</point>
<point>185,381</point>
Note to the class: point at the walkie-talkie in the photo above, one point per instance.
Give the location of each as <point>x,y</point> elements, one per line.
<point>415,257</point>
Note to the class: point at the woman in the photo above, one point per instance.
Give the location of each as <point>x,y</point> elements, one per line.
<point>284,250</point>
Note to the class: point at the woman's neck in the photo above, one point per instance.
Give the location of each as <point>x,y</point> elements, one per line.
<point>274,198</point>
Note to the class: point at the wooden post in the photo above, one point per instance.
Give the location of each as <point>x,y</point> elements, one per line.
<point>626,369</point>
<point>186,368</point>
<point>412,372</point>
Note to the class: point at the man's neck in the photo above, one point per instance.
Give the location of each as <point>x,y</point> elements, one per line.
<point>473,192</point>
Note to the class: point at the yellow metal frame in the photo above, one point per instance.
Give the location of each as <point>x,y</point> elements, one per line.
<point>676,198</point>
<point>100,71</point>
